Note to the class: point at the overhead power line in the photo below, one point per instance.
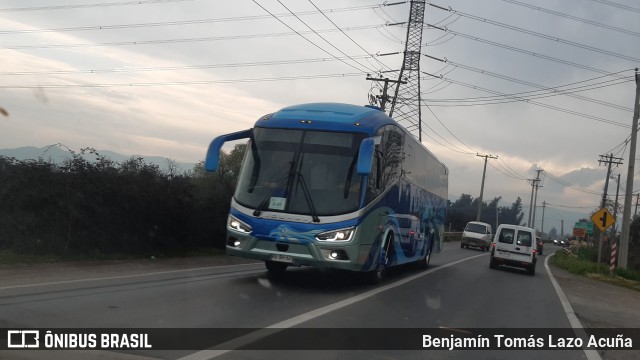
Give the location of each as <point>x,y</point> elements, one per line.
<point>348,37</point>
<point>557,108</point>
<point>322,37</point>
<point>567,89</point>
<point>182,22</point>
<point>572,186</point>
<point>575,18</point>
<point>95,5</point>
<point>170,83</point>
<point>512,79</point>
<point>302,35</point>
<point>573,207</point>
<point>522,51</point>
<point>618,5</point>
<point>185,67</point>
<point>540,35</point>
<point>183,40</point>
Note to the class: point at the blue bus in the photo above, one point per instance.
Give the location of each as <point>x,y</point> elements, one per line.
<point>334,186</point>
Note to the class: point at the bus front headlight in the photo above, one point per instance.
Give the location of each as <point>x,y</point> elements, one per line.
<point>237,225</point>
<point>337,235</point>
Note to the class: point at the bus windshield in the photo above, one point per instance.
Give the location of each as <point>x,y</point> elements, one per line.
<point>301,172</point>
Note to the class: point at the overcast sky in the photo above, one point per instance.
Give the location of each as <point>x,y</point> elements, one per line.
<point>156,77</point>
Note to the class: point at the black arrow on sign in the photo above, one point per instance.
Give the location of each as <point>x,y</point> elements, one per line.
<point>604,220</point>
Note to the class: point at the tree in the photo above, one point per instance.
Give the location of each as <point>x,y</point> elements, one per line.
<point>461,212</point>
<point>512,215</point>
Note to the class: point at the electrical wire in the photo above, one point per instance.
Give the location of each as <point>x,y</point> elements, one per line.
<point>348,37</point>
<point>179,22</point>
<point>570,185</point>
<point>575,18</point>
<point>539,35</point>
<point>552,107</point>
<point>174,68</point>
<point>183,40</point>
<point>94,5</point>
<point>618,5</point>
<point>522,51</point>
<point>320,36</point>
<point>543,91</point>
<point>170,83</point>
<point>512,79</point>
<point>509,98</point>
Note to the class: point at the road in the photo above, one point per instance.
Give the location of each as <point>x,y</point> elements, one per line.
<point>458,291</point>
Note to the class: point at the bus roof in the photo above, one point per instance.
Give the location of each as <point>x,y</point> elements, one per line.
<point>328,117</point>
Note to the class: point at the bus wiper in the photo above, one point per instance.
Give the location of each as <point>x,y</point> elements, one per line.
<point>307,195</point>
<point>264,202</point>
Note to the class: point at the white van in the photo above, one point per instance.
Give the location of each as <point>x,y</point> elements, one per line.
<point>514,246</point>
<point>476,234</point>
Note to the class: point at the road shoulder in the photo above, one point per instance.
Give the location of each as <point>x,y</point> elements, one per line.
<point>598,304</point>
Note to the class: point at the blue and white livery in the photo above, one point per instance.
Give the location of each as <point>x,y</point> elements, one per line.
<point>335,186</point>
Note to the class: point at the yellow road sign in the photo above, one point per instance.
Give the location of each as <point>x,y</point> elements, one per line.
<point>603,219</point>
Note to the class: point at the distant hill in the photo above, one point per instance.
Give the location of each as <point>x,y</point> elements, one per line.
<point>57,155</point>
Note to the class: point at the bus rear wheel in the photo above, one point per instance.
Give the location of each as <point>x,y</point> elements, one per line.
<point>275,267</point>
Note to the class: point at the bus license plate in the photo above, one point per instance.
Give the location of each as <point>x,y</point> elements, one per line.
<point>281,258</point>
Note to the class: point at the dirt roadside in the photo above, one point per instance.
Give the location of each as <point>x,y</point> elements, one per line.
<point>598,304</point>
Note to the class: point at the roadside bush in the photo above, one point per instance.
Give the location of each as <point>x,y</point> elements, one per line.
<point>88,209</point>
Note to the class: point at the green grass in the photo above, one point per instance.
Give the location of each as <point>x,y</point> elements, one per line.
<point>582,264</point>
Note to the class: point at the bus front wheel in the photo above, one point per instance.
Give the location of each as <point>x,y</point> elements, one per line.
<point>376,276</point>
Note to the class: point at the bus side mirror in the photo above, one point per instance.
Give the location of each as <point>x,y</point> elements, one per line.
<point>365,156</point>
<point>213,153</point>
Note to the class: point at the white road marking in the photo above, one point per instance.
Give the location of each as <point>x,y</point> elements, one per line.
<point>568,310</point>
<point>297,320</point>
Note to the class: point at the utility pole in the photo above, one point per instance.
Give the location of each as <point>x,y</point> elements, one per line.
<point>626,215</point>
<point>561,228</point>
<point>610,161</point>
<point>535,199</point>
<point>531,206</point>
<point>384,98</point>
<point>544,205</point>
<point>535,203</point>
<point>484,172</point>
<point>615,209</point>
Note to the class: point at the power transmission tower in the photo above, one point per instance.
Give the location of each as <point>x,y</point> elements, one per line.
<point>484,172</point>
<point>405,105</point>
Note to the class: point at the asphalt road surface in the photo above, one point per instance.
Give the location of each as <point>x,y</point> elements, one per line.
<point>458,291</point>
